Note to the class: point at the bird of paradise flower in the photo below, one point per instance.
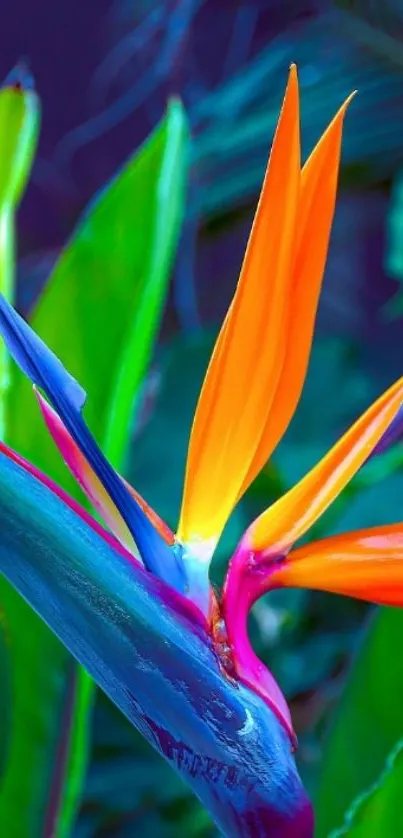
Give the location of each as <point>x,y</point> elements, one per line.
<point>179,661</point>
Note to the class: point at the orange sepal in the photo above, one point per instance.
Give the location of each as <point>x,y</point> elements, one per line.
<point>280,526</point>
<point>258,366</point>
<point>315,215</point>
<point>365,564</point>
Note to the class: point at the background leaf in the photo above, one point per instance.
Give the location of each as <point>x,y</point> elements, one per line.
<point>238,117</point>
<point>368,721</point>
<point>110,280</point>
<point>5,694</point>
<point>19,123</point>
<point>378,811</point>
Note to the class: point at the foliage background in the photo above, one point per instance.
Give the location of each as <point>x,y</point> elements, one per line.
<point>104,71</point>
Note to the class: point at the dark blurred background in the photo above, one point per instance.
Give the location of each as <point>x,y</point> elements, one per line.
<point>104,71</point>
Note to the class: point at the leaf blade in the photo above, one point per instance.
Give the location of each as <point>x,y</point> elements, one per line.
<point>367,724</point>
<point>378,811</point>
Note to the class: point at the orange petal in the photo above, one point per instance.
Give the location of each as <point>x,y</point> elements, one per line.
<point>366,564</point>
<point>277,529</point>
<point>315,215</point>
<point>244,369</point>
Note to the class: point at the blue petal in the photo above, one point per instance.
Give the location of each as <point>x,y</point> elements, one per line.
<point>68,397</point>
<point>155,664</point>
<point>34,358</point>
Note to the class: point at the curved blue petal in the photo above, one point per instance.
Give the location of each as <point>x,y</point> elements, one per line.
<point>35,359</point>
<point>122,624</point>
<point>45,370</point>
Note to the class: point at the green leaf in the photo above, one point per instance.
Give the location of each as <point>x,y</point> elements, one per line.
<point>19,123</point>
<point>5,693</point>
<point>99,313</point>
<point>367,724</point>
<point>100,310</point>
<point>379,810</point>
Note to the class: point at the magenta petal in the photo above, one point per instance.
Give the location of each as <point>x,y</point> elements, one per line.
<point>238,597</point>
<point>85,475</point>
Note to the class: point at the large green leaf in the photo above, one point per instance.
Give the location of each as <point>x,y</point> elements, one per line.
<point>378,812</point>
<point>19,120</point>
<point>99,313</point>
<point>368,721</point>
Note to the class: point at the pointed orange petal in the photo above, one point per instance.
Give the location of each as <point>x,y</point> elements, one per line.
<point>244,368</point>
<point>277,529</point>
<point>315,215</point>
<point>366,564</point>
